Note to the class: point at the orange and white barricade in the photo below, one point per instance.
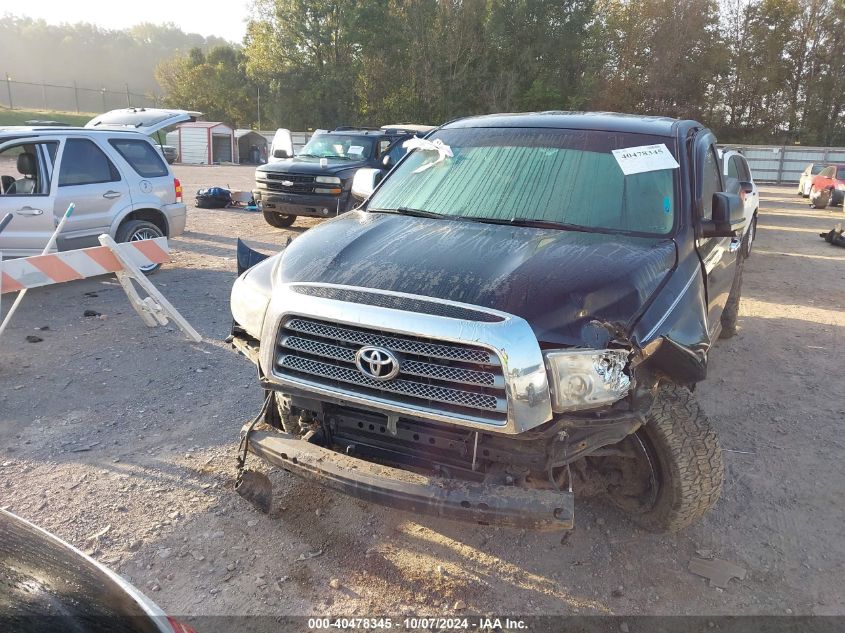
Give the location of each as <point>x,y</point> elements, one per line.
<point>124,260</point>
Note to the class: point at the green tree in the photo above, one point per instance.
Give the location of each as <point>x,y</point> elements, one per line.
<point>214,83</point>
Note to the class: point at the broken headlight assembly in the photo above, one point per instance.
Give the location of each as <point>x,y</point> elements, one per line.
<point>586,379</point>
<point>251,295</point>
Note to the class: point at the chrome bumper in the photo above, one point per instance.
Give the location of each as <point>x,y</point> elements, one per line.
<point>448,498</point>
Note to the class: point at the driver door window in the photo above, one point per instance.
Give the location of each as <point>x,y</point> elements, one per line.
<point>396,152</point>
<point>22,169</point>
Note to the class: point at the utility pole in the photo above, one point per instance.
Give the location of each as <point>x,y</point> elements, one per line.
<point>259,107</point>
<point>76,95</point>
<point>9,89</point>
<point>103,94</point>
<point>44,93</point>
<point>128,100</point>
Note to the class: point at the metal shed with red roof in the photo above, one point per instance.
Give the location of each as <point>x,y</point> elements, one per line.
<point>204,143</point>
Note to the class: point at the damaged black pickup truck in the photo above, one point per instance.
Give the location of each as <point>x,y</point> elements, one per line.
<point>518,312</point>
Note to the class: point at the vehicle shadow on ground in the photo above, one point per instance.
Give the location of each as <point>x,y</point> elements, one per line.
<point>268,247</point>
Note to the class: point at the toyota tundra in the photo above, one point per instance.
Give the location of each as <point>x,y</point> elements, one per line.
<point>519,312</point>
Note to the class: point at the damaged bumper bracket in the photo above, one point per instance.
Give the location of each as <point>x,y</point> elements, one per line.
<point>448,498</point>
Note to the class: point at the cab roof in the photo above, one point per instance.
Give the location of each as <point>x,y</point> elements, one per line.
<point>601,121</point>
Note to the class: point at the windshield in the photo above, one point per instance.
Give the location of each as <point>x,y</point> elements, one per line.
<point>556,176</point>
<point>338,146</point>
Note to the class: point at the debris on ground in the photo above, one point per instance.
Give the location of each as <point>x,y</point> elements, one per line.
<point>97,535</point>
<point>31,338</point>
<point>834,237</point>
<point>718,571</point>
<point>310,555</point>
<point>91,313</point>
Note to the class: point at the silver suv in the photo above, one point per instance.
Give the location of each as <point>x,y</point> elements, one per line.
<point>110,169</point>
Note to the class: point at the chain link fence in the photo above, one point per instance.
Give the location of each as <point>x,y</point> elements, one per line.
<point>25,95</point>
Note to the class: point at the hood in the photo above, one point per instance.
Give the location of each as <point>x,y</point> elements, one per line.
<point>311,166</point>
<point>558,281</point>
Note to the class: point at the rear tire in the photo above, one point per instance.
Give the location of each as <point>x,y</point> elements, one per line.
<point>134,230</point>
<point>278,220</point>
<point>686,462</point>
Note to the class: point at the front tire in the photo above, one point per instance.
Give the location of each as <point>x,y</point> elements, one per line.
<point>278,220</point>
<point>685,459</point>
<point>135,230</point>
<point>819,199</point>
<point>749,239</point>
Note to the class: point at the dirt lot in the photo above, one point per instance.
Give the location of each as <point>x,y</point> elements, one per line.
<point>121,440</point>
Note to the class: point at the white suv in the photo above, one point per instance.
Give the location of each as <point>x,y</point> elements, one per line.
<point>109,169</point>
<point>735,165</point>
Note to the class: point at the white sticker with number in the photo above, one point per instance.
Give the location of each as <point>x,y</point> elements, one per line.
<point>636,160</point>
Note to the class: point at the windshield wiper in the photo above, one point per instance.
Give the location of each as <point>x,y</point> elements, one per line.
<point>418,213</point>
<point>530,222</point>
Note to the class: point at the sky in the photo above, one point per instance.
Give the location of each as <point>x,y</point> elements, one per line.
<point>224,18</point>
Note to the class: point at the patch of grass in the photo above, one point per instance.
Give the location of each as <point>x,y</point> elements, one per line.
<point>20,117</point>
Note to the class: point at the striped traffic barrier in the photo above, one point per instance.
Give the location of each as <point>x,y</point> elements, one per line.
<point>43,270</point>
<point>125,260</point>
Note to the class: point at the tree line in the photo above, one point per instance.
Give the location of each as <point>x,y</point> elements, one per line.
<point>93,57</point>
<point>755,71</point>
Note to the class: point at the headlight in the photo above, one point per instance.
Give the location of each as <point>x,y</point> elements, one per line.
<point>584,379</point>
<point>251,296</point>
<point>328,180</point>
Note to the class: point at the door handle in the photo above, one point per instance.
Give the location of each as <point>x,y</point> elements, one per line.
<point>29,211</point>
<point>110,194</point>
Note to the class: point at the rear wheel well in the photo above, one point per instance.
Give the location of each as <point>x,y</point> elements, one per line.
<point>149,215</point>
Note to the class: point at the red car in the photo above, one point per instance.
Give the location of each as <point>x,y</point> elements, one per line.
<point>828,187</point>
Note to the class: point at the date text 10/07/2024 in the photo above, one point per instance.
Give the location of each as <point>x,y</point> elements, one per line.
<point>419,624</point>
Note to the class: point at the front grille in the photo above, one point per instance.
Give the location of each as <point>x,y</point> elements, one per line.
<point>300,184</point>
<point>442,377</point>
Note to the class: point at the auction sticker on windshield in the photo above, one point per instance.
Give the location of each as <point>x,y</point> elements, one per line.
<point>636,160</point>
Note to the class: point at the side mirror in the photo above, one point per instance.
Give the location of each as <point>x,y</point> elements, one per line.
<point>280,153</point>
<point>728,216</point>
<point>746,187</point>
<point>364,182</point>
<point>387,161</point>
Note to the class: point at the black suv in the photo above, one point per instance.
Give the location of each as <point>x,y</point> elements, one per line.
<point>521,309</point>
<point>317,181</point>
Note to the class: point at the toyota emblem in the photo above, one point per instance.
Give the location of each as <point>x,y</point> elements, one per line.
<point>377,363</point>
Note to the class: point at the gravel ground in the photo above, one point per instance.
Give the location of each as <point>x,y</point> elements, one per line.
<point>121,439</point>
